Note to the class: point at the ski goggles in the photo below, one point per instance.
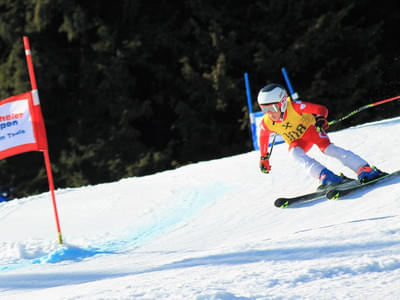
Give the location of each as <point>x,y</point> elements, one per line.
<point>270,107</point>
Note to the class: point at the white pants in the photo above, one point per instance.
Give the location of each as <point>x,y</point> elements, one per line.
<point>346,157</point>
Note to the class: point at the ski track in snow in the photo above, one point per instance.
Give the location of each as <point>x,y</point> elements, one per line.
<point>188,204</point>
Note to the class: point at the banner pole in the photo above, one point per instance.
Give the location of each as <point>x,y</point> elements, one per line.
<point>45,152</point>
<point>53,196</point>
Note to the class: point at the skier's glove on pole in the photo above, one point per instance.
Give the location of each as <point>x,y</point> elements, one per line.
<point>265,167</point>
<point>321,123</point>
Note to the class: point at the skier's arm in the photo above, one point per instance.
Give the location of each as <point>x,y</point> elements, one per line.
<point>264,142</point>
<point>310,108</point>
<point>320,112</point>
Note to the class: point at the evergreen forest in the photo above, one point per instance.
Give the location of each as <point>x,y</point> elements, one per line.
<point>133,87</point>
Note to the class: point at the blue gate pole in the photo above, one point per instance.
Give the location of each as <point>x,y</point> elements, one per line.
<point>253,124</point>
<point>293,95</point>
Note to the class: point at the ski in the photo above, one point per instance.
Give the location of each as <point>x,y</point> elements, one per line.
<point>340,191</point>
<point>285,202</point>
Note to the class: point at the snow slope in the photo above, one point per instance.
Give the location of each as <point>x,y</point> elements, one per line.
<point>210,231</point>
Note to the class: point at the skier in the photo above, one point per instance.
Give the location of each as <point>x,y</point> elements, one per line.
<point>302,125</point>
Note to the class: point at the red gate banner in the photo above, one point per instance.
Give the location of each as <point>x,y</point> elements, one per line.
<point>21,125</point>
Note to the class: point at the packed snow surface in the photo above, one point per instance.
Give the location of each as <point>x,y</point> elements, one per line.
<point>210,231</point>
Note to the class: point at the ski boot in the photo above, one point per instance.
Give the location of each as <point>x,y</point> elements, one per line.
<point>328,178</point>
<point>367,173</point>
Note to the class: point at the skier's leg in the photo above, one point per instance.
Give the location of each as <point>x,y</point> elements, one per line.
<point>313,167</point>
<point>347,158</point>
<point>298,149</point>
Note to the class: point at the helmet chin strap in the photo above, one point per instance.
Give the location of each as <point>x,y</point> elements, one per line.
<point>283,108</point>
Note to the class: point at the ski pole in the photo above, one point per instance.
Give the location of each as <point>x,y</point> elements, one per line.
<point>272,145</point>
<point>363,108</point>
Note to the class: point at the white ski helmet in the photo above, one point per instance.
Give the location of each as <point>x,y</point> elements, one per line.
<point>273,93</point>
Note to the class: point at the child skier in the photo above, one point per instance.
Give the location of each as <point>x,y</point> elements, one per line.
<point>302,125</point>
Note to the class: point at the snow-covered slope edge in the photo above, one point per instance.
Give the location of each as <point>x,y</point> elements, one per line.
<point>210,231</point>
